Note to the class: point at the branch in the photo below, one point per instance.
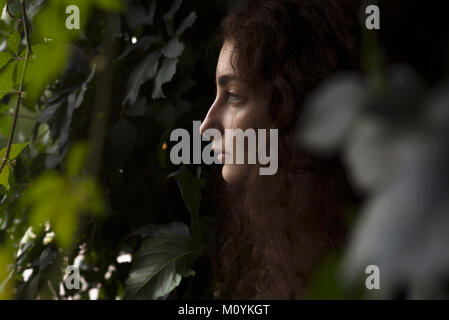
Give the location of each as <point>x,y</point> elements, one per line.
<point>22,80</point>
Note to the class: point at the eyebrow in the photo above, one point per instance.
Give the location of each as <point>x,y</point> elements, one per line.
<point>225,79</point>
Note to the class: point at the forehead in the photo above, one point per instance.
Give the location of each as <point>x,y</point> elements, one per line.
<point>224,65</point>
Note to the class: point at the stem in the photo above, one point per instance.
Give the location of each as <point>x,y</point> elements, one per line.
<point>22,80</point>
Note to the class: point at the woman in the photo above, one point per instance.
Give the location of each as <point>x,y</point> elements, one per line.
<point>276,229</point>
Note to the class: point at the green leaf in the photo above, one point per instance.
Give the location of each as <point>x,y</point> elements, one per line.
<point>160,263</point>
<point>164,75</point>
<point>5,121</point>
<point>16,149</point>
<point>324,282</point>
<point>54,198</point>
<point>115,5</point>
<point>14,43</point>
<point>5,57</point>
<point>76,158</point>
<point>34,66</point>
<point>2,4</point>
<point>47,63</point>
<point>4,177</point>
<point>7,79</point>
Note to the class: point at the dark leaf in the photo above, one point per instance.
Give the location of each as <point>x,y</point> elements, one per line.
<point>187,23</point>
<point>160,264</point>
<point>164,75</point>
<point>144,71</point>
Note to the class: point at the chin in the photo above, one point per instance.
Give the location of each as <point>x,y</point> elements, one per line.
<point>235,173</point>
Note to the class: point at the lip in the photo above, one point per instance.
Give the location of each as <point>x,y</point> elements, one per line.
<point>221,157</point>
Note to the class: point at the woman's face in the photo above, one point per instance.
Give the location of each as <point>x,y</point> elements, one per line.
<point>234,108</point>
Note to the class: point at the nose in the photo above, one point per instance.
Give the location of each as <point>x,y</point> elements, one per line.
<point>212,119</point>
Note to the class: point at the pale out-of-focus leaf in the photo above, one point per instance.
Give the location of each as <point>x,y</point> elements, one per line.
<point>186,23</point>
<point>376,153</point>
<point>403,229</point>
<point>169,16</point>
<point>173,49</point>
<point>164,75</point>
<point>330,111</point>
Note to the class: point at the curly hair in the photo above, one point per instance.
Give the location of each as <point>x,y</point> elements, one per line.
<point>276,229</point>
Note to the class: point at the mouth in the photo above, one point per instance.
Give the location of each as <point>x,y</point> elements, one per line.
<point>221,155</point>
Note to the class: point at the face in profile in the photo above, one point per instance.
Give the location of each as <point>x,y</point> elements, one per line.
<point>235,107</point>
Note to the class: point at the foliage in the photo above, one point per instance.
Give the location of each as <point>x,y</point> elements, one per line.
<point>392,133</point>
<point>85,182</point>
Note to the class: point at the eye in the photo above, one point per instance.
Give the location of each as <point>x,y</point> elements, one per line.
<point>232,97</point>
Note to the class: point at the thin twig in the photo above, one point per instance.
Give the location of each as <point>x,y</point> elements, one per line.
<point>22,80</point>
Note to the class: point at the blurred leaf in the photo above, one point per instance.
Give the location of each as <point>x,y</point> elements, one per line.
<point>164,75</point>
<point>5,121</point>
<point>169,16</point>
<point>143,43</point>
<point>14,43</point>
<point>5,57</point>
<point>76,159</point>
<point>115,5</point>
<point>6,274</point>
<point>173,49</point>
<point>4,177</point>
<point>159,264</point>
<point>44,69</point>
<point>7,79</point>
<point>138,109</point>
<point>329,112</point>
<point>137,15</point>
<point>2,4</point>
<point>324,282</point>
<point>187,23</point>
<point>58,200</point>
